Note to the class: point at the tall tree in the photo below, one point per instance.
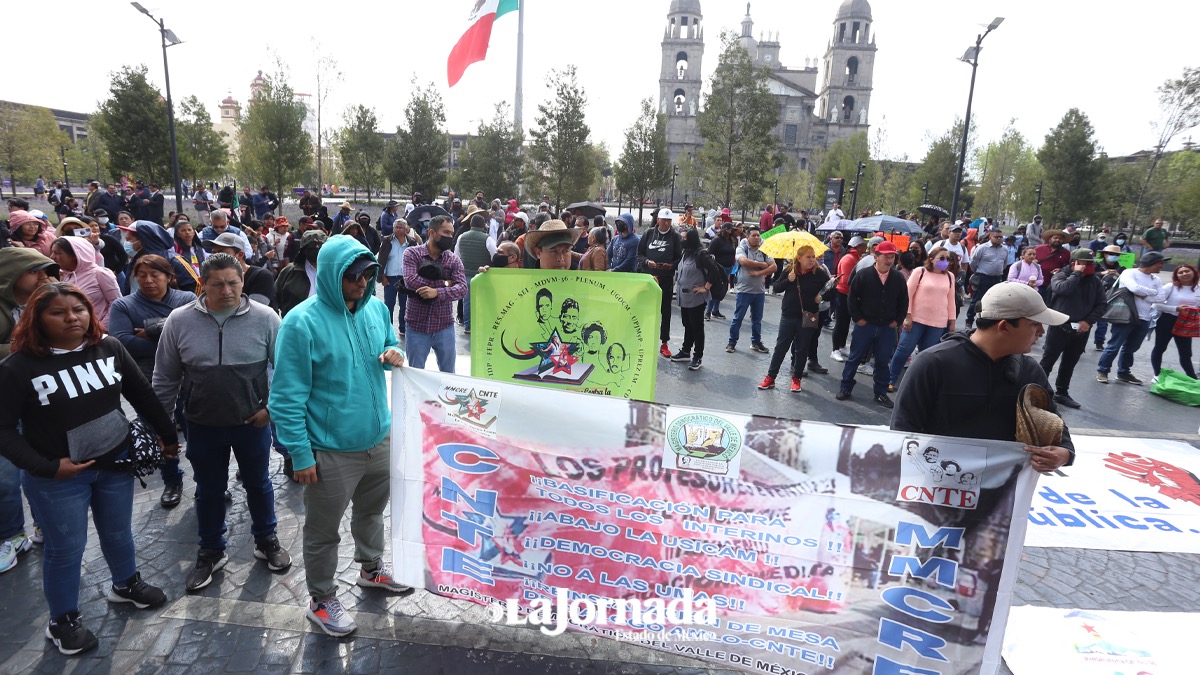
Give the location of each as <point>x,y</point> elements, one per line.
<point>416,157</point>
<point>938,168</point>
<point>997,166</point>
<point>740,152</point>
<point>1179,103</point>
<point>274,149</point>
<point>842,161</point>
<point>132,122</point>
<point>202,150</point>
<point>492,160</point>
<point>361,148</point>
<point>1073,170</point>
<point>561,149</point>
<point>328,76</point>
<point>643,166</point>
<point>29,143</point>
<point>87,157</point>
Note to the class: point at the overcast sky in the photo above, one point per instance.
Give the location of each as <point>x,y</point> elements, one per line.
<point>1048,56</point>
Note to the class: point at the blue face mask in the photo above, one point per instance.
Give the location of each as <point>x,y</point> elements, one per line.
<point>129,250</point>
<point>1112,258</point>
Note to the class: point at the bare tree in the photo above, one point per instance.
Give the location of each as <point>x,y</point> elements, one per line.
<point>328,76</point>
<point>1179,101</point>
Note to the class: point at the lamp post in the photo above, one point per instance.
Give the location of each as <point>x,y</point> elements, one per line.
<point>925,188</point>
<point>775,188</point>
<point>972,57</point>
<point>674,174</point>
<point>1038,209</point>
<point>854,190</point>
<point>169,39</point>
<point>66,178</point>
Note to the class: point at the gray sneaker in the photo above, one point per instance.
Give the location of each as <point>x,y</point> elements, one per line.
<point>1102,378</point>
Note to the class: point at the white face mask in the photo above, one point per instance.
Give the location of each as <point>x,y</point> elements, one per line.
<point>103,221</point>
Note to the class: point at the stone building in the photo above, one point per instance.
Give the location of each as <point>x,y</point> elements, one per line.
<point>815,107</point>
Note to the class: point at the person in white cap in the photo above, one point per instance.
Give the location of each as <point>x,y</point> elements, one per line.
<point>969,385</point>
<point>661,248</point>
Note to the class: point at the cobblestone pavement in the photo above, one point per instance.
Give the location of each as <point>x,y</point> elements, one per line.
<point>252,620</point>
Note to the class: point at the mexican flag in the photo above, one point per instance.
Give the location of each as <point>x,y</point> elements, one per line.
<point>473,44</point>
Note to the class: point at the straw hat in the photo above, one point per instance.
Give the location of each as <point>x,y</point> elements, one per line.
<point>1053,233</point>
<point>554,232</point>
<point>1036,425</point>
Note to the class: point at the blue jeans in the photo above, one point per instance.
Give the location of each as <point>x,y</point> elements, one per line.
<point>715,305</point>
<point>1126,338</point>
<point>171,474</point>
<point>208,450</point>
<point>467,308</point>
<point>12,511</point>
<point>862,340</point>
<point>921,336</point>
<point>394,297</point>
<point>442,344</point>
<point>986,281</point>
<point>1101,331</point>
<point>753,301</point>
<point>62,506</point>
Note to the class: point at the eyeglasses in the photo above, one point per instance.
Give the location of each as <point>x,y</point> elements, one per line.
<point>355,278</point>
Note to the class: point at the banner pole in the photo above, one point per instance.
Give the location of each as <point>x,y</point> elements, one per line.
<point>520,63</point>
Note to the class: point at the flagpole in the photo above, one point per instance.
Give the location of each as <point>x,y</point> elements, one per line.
<point>520,63</point>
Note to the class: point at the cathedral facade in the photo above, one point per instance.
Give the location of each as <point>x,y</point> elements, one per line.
<point>815,107</point>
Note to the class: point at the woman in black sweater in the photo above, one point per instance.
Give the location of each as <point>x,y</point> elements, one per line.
<point>801,288</point>
<point>723,248</point>
<point>63,384</point>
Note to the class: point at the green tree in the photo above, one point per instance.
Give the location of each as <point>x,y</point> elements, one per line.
<point>1181,187</point>
<point>643,166</point>
<point>87,158</point>
<point>1118,194</point>
<point>1179,103</point>
<point>202,150</point>
<point>937,170</point>
<point>132,122</point>
<point>740,113</point>
<point>895,185</point>
<point>416,157</point>
<point>492,160</point>
<point>842,161</point>
<point>997,165</point>
<point>1027,174</point>
<point>1073,170</point>
<point>795,186</point>
<point>361,149</point>
<point>274,149</point>
<point>29,143</point>
<point>561,149</point>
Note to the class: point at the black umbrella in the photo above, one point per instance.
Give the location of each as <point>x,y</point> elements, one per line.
<point>424,212</point>
<point>586,209</point>
<point>933,210</point>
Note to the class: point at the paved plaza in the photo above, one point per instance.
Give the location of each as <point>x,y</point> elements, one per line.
<point>252,620</point>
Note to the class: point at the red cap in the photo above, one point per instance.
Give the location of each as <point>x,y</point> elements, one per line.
<point>885,247</point>
<point>127,229</point>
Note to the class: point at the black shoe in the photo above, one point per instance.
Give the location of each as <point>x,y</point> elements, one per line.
<point>817,368</point>
<point>206,563</point>
<point>719,315</point>
<point>269,549</point>
<point>69,635</point>
<point>885,401</point>
<point>1099,346</point>
<point>138,592</point>
<point>760,348</point>
<point>842,395</point>
<point>1128,378</point>
<point>681,356</point>
<point>1065,399</point>
<point>707,316</point>
<point>695,364</point>
<point>171,495</point>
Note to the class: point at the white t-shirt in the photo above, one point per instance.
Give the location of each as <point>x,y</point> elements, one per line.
<point>834,216</point>
<point>960,248</point>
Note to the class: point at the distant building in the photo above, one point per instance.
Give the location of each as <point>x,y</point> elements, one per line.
<point>227,122</point>
<point>73,124</point>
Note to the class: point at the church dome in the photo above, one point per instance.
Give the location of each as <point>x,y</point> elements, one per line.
<point>685,7</point>
<point>854,9</point>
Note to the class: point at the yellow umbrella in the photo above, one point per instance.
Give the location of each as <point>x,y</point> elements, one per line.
<point>783,246</point>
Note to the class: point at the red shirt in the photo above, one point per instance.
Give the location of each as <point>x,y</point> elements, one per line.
<point>844,268</point>
<point>1051,261</point>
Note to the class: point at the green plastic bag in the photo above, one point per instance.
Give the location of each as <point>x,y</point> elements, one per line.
<point>1177,387</point>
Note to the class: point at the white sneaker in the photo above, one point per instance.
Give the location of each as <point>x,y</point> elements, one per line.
<point>331,617</point>
<point>839,355</point>
<point>10,549</point>
<point>866,369</point>
<point>37,537</point>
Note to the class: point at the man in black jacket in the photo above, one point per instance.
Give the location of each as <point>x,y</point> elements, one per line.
<point>1077,292</point>
<point>968,385</point>
<point>878,302</point>
<point>662,248</point>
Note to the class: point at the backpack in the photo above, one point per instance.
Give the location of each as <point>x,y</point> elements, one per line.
<point>716,276</point>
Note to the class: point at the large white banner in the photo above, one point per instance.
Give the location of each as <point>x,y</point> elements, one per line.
<point>1123,494</point>
<point>1042,640</point>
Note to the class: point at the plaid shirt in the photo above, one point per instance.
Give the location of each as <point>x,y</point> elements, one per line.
<point>425,316</point>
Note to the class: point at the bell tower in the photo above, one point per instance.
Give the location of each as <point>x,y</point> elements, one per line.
<point>848,65</point>
<point>679,81</point>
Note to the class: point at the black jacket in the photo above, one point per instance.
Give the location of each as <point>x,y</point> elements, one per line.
<point>724,251</point>
<point>1077,296</point>
<point>801,295</point>
<point>661,248</point>
<point>955,389</point>
<point>875,302</point>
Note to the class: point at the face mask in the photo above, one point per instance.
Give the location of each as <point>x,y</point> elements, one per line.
<point>1120,242</point>
<point>499,260</point>
<point>445,243</point>
<point>103,221</point>
<point>129,250</point>
<point>941,265</point>
<point>1112,258</point>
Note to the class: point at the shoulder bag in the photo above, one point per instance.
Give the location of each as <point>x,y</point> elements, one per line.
<point>1121,306</point>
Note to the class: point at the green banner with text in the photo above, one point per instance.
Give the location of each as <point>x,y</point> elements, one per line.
<point>594,332</point>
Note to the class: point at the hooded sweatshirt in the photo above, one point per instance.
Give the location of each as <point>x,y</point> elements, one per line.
<point>140,311</point>
<point>157,241</point>
<point>13,263</point>
<point>96,282</point>
<point>328,369</point>
<point>955,389</point>
<point>45,236</point>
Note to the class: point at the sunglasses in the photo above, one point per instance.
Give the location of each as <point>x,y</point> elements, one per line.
<point>355,278</point>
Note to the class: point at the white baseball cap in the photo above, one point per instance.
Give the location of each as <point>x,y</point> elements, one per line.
<point>666,213</point>
<point>1017,301</point>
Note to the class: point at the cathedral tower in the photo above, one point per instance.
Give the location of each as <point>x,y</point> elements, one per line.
<point>679,81</point>
<point>848,65</point>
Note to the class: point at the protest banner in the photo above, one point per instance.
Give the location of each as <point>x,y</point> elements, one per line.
<point>1123,494</point>
<point>583,331</point>
<point>786,546</point>
<point>1097,642</point>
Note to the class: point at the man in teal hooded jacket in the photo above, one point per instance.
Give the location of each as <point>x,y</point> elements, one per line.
<point>329,404</point>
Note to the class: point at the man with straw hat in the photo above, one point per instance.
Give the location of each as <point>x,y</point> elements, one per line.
<point>969,385</point>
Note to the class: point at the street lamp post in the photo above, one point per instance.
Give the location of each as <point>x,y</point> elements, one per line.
<point>972,57</point>
<point>66,178</point>
<point>854,190</point>
<point>169,39</point>
<point>925,188</point>
<point>674,174</point>
<point>1038,209</point>
<point>775,188</point>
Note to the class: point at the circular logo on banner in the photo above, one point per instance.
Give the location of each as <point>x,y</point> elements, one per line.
<point>704,442</point>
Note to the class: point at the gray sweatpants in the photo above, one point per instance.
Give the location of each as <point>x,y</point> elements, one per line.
<point>363,478</point>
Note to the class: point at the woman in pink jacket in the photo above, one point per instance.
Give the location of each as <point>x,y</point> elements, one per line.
<point>31,232</point>
<point>931,310</point>
<point>76,257</point>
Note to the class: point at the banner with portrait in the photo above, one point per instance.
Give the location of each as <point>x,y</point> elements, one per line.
<point>821,548</point>
<point>595,332</point>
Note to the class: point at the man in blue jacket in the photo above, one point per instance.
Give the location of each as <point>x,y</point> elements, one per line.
<point>623,250</point>
<point>264,202</point>
<point>333,349</point>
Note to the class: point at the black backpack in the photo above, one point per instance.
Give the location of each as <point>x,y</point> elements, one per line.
<point>716,276</point>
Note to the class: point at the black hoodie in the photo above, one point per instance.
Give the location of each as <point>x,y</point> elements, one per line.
<point>955,389</point>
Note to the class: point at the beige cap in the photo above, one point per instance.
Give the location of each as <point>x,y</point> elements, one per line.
<point>1017,301</point>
